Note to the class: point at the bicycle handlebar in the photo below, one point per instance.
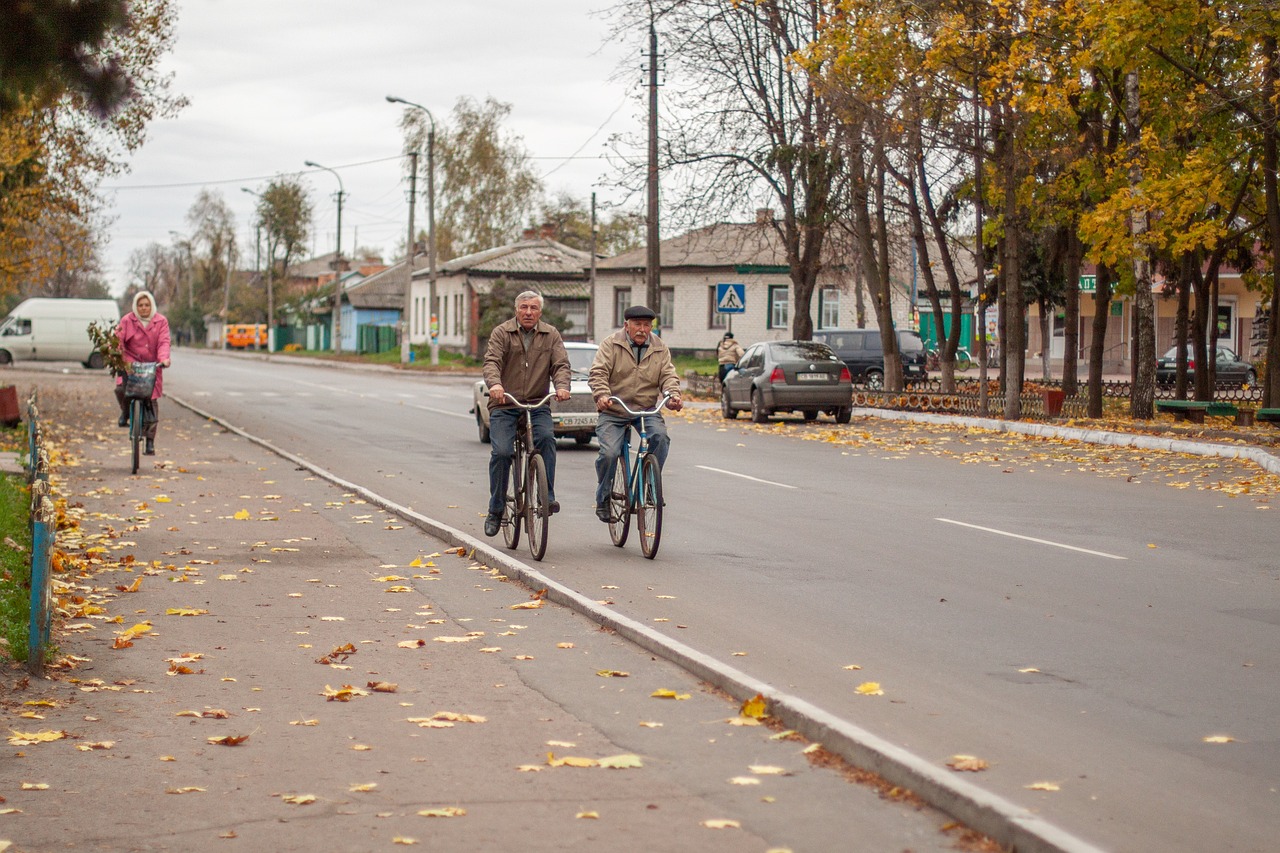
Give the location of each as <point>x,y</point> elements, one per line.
<point>529,406</point>
<point>657,408</point>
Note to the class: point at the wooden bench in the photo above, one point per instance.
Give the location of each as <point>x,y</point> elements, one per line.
<point>1184,410</point>
<point>1271,416</point>
<point>1243,414</point>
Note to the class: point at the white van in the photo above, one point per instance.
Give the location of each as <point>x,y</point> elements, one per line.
<point>50,329</point>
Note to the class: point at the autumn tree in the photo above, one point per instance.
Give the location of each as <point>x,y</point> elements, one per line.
<point>485,184</point>
<point>78,86</point>
<point>616,231</point>
<point>284,213</point>
<point>744,128</point>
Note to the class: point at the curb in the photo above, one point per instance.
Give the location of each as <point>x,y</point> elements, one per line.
<point>1267,461</point>
<point>1013,826</point>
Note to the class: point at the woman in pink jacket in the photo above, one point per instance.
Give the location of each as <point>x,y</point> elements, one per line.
<point>144,336</point>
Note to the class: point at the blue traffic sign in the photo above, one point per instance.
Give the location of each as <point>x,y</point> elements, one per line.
<point>731,298</point>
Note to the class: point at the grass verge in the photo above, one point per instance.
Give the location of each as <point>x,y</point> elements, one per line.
<point>15,566</point>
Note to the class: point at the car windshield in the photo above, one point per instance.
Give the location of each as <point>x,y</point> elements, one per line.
<point>802,351</point>
<point>580,360</point>
<point>1224,354</point>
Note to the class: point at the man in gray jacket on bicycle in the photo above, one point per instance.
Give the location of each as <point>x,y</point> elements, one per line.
<point>524,357</point>
<point>635,365</point>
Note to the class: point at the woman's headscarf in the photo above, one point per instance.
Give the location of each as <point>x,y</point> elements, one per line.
<point>154,309</point>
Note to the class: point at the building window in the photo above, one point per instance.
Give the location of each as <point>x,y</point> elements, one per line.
<point>666,307</point>
<point>828,308</point>
<point>779,305</point>
<point>621,302</point>
<point>715,320</point>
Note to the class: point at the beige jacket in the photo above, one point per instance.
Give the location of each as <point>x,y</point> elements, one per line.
<point>614,372</point>
<point>525,375</point>
<point>728,351</point>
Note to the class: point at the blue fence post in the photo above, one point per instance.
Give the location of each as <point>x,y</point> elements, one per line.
<point>42,539</point>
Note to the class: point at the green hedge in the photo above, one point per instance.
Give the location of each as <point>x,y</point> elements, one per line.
<point>15,565</point>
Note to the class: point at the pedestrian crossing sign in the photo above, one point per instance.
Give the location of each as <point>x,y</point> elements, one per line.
<point>731,298</point>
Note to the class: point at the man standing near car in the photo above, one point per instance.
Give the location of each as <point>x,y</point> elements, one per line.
<point>635,365</point>
<point>524,357</point>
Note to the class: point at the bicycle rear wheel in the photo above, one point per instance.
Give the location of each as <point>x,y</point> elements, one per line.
<point>649,509</point>
<point>135,430</point>
<point>512,505</point>
<point>619,504</point>
<point>537,513</point>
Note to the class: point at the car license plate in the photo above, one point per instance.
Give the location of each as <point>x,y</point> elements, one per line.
<point>585,419</point>
<point>811,377</point>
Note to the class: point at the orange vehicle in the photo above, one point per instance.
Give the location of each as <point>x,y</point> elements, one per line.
<point>247,335</point>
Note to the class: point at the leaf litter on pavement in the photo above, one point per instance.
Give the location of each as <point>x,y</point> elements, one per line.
<point>86,605</point>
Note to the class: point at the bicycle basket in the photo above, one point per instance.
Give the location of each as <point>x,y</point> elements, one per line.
<point>140,381</point>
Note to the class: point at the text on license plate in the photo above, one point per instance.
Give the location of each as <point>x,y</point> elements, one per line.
<point>583,420</point>
<point>811,377</point>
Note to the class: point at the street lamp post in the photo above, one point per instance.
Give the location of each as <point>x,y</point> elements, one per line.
<point>431,246</point>
<point>271,304</point>
<point>337,265</point>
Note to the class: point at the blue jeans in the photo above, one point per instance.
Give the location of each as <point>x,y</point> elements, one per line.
<point>610,430</point>
<point>502,435</point>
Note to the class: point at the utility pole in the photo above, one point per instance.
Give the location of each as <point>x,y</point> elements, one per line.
<point>652,272</point>
<point>406,350</point>
<point>591,292</point>
<point>226,292</point>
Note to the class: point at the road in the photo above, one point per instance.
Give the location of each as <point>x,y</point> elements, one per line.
<point>1084,628</point>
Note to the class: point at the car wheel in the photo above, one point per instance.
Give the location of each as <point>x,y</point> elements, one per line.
<point>875,380</point>
<point>482,427</point>
<point>582,439</point>
<point>759,414</point>
<point>96,361</point>
<point>810,415</point>
<point>844,414</point>
<point>1250,377</point>
<point>728,412</point>
<point>5,357</point>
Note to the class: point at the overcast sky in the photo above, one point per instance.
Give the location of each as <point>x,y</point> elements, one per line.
<point>273,83</point>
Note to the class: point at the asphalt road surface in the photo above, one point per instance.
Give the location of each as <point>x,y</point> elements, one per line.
<point>1083,620</point>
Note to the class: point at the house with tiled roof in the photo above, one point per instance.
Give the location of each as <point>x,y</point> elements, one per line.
<point>536,262</point>
<point>694,263</point>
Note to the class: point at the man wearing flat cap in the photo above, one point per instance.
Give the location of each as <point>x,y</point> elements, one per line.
<point>635,365</point>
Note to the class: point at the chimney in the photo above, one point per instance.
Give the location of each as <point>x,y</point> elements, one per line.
<point>529,234</point>
<point>548,231</point>
<point>764,215</point>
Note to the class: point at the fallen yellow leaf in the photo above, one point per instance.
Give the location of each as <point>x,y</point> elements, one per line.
<point>447,811</point>
<point>621,762</point>
<point>31,738</point>
<point>588,816</point>
<point>755,707</point>
<point>870,688</point>
<point>668,694</point>
<point>721,824</point>
<point>299,799</point>
<point>967,762</point>
<point>1044,786</point>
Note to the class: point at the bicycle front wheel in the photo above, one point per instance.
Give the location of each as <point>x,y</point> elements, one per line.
<point>135,430</point>
<point>619,505</point>
<point>649,509</point>
<point>513,502</point>
<point>537,511</point>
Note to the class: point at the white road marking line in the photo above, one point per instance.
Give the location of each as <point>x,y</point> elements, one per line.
<point>1031,539</point>
<point>451,414</point>
<point>746,477</point>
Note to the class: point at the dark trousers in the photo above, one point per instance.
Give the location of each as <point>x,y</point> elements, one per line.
<point>610,431</point>
<point>502,439</point>
<point>148,425</point>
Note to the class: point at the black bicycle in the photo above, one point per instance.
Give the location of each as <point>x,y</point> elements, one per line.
<point>525,498</point>
<point>139,383</point>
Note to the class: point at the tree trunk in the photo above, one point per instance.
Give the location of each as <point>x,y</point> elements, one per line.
<point>1071,322</point>
<point>1142,398</point>
<point>1098,339</point>
<point>1270,130</point>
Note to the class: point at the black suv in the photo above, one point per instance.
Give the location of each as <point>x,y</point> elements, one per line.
<point>861,351</point>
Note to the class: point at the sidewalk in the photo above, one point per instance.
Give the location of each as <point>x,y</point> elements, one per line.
<point>364,678</point>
